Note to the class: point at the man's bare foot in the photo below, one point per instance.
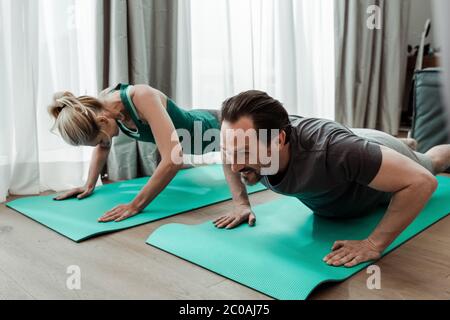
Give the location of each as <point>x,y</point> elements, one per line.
<point>412,143</point>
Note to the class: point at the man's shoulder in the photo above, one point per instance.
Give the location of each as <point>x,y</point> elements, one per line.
<point>302,122</point>
<point>314,133</point>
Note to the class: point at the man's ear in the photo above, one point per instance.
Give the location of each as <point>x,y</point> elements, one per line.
<point>277,142</point>
<point>282,139</point>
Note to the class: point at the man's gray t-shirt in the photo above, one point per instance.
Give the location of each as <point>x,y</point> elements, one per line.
<point>330,169</point>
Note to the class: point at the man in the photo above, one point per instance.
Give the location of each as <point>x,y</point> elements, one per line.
<point>335,171</point>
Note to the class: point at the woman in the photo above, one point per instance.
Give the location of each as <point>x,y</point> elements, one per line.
<point>142,113</point>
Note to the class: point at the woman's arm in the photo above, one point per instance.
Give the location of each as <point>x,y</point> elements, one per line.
<point>149,104</point>
<point>98,161</point>
<point>99,157</point>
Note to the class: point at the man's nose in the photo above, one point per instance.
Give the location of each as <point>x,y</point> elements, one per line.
<point>237,167</point>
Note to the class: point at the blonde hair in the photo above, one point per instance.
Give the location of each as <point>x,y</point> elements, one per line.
<point>75,118</point>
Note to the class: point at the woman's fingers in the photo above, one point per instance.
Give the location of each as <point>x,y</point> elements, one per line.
<point>112,211</point>
<point>124,216</point>
<point>113,217</point>
<point>67,195</point>
<point>108,216</point>
<point>118,214</point>
<point>79,193</point>
<point>84,195</point>
<point>87,192</point>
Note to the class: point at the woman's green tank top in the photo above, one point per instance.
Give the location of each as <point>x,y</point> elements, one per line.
<point>192,125</point>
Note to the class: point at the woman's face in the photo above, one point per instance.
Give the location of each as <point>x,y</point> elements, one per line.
<point>109,129</point>
<point>104,140</point>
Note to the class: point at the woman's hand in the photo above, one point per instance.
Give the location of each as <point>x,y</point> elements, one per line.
<point>79,193</point>
<point>120,213</point>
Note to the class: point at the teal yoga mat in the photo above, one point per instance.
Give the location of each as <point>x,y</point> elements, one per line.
<point>282,255</point>
<point>77,219</point>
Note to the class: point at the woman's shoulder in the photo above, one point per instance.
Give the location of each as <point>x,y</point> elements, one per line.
<point>106,92</point>
<point>145,91</point>
<point>109,95</point>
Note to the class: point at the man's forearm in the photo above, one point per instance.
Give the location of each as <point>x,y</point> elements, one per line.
<point>237,187</point>
<point>405,206</point>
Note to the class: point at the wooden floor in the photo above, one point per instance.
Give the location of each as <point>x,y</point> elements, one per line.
<point>34,260</point>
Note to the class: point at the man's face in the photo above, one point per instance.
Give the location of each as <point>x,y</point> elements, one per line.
<point>242,149</point>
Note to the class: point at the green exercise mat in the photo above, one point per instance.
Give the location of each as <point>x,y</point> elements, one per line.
<point>282,255</point>
<point>77,219</point>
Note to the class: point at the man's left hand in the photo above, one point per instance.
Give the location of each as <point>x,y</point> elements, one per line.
<point>352,253</point>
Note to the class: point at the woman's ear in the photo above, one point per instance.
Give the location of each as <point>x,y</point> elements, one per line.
<point>106,126</point>
<point>102,121</point>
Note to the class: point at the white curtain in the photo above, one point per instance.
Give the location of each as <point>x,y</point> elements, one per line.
<point>284,47</point>
<point>441,11</point>
<point>45,46</point>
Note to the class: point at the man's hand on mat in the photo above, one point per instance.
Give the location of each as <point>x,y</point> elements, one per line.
<point>239,215</point>
<point>352,253</point>
<point>79,193</point>
<point>120,213</point>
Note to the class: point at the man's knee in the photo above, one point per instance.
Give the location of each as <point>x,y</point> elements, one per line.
<point>440,157</point>
<point>411,143</point>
